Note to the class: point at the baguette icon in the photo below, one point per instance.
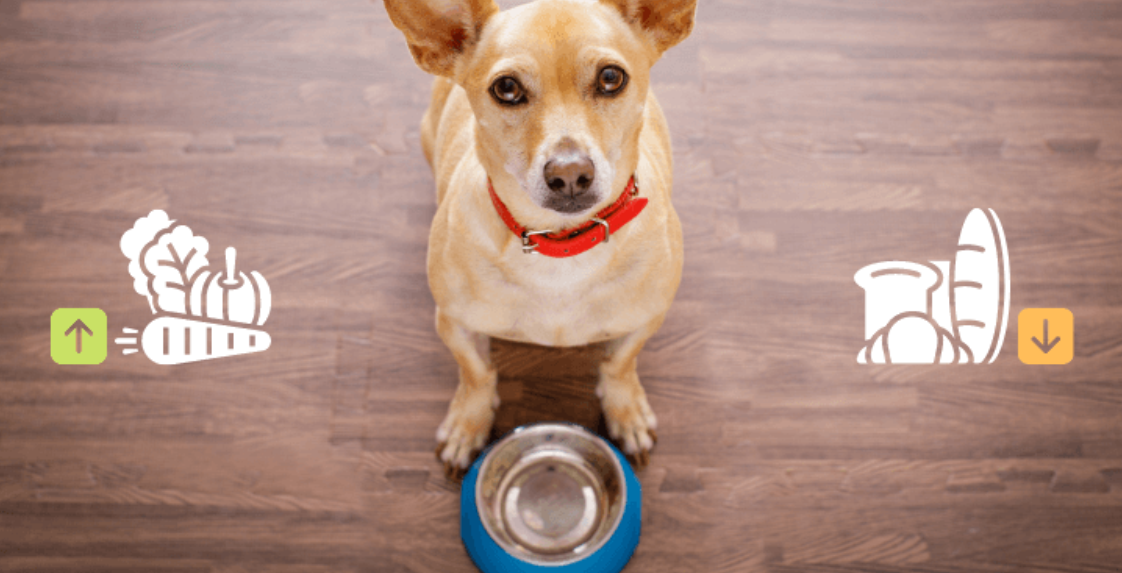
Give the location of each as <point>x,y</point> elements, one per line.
<point>203,312</point>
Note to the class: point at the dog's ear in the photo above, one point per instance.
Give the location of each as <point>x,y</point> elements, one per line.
<point>666,22</point>
<point>439,31</point>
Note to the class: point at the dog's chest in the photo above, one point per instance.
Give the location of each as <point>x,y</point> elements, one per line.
<point>555,302</point>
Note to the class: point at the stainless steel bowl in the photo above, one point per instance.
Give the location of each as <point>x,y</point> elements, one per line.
<point>551,494</point>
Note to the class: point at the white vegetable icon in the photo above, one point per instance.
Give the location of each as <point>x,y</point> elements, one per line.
<point>169,267</point>
<point>231,295</point>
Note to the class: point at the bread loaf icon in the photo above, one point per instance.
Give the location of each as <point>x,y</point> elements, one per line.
<point>940,312</point>
<point>906,321</point>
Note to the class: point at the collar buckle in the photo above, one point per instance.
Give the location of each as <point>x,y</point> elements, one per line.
<point>607,228</point>
<point>529,247</point>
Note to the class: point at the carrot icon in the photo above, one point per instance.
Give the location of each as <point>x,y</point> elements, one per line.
<point>174,340</point>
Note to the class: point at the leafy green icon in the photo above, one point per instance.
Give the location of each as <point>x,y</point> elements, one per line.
<point>79,336</point>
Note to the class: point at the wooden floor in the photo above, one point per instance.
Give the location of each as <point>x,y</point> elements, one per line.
<point>811,137</point>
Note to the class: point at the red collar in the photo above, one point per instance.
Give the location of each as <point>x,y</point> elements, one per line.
<point>575,241</point>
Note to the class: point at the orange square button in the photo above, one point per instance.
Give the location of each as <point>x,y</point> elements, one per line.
<point>1045,336</point>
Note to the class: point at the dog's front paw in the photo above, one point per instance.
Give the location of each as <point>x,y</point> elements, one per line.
<point>463,433</point>
<point>630,421</point>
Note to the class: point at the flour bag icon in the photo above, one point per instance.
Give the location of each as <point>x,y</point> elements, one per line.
<point>202,311</point>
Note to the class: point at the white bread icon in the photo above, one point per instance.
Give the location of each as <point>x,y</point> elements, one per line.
<point>981,285</point>
<point>939,313</point>
<point>893,288</point>
<point>907,319</point>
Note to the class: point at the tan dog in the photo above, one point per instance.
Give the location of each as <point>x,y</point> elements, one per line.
<point>548,103</point>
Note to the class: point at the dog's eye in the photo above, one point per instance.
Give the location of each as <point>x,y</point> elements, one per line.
<point>506,90</point>
<point>611,80</point>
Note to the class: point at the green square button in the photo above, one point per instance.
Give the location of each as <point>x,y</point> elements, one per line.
<point>79,336</point>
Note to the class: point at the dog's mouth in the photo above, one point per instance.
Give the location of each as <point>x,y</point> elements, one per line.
<point>570,205</point>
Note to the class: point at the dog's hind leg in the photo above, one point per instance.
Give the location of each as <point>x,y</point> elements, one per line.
<point>470,415</point>
<point>629,417</point>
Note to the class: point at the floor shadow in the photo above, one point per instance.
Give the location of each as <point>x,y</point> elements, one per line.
<point>542,384</point>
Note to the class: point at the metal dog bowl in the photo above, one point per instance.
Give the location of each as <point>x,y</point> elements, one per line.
<point>550,497</point>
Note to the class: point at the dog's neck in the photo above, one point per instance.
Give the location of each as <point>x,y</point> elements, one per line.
<point>573,241</point>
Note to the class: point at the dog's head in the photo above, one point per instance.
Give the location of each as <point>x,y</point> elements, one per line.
<point>558,87</point>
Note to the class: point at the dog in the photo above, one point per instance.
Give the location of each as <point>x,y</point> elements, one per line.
<point>552,163</point>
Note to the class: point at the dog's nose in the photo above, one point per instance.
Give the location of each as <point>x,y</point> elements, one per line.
<point>570,174</point>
